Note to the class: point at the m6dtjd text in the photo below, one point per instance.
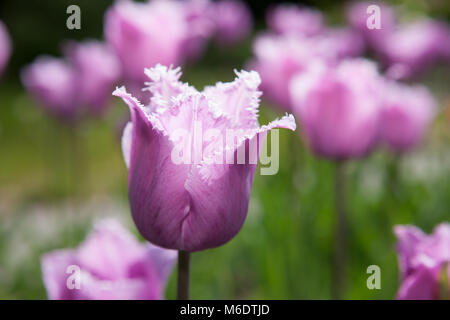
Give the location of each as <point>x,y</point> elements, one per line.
<point>236,309</point>
<point>253,309</point>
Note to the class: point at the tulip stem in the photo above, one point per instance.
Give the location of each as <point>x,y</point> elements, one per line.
<point>183,275</point>
<point>340,254</point>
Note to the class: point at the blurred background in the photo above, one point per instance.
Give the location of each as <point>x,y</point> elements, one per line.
<point>50,195</point>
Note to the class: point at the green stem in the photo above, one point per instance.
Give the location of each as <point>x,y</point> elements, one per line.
<point>340,254</point>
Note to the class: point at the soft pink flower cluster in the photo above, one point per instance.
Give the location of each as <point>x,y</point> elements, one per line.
<point>424,262</point>
<point>297,36</point>
<point>344,106</point>
<point>138,35</point>
<point>405,49</point>
<point>347,110</point>
<point>79,83</point>
<point>170,32</point>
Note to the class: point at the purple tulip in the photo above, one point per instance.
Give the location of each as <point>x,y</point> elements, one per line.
<point>109,264</point>
<point>96,71</point>
<point>5,47</point>
<point>405,115</point>
<point>338,107</point>
<point>144,34</point>
<point>423,259</point>
<point>199,203</point>
<point>233,21</point>
<point>292,19</point>
<point>52,81</point>
<point>412,48</point>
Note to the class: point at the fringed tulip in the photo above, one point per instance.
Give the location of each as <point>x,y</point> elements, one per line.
<point>338,107</point>
<point>295,20</point>
<point>405,115</point>
<point>5,47</point>
<point>96,71</point>
<point>424,263</point>
<point>51,81</point>
<point>200,203</point>
<point>144,34</point>
<point>233,21</point>
<point>109,264</point>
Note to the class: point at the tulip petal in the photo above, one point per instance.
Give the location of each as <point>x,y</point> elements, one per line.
<point>408,238</point>
<point>156,185</point>
<point>54,266</point>
<point>421,285</point>
<point>219,202</point>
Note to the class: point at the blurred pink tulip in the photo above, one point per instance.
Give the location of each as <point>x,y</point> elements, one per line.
<point>422,260</point>
<point>82,83</point>
<point>338,107</point>
<point>5,47</point>
<point>339,43</point>
<point>201,26</point>
<point>109,265</point>
<point>201,204</point>
<point>414,47</point>
<point>295,20</point>
<point>145,34</point>
<point>233,21</point>
<point>96,71</point>
<point>51,81</point>
<point>278,59</point>
<point>405,115</point>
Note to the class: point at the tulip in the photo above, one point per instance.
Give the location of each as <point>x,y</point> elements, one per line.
<point>96,71</point>
<point>424,261</point>
<point>405,115</point>
<point>5,47</point>
<point>109,264</point>
<point>233,21</point>
<point>338,108</point>
<point>144,34</point>
<point>51,82</point>
<point>295,20</point>
<point>194,205</point>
